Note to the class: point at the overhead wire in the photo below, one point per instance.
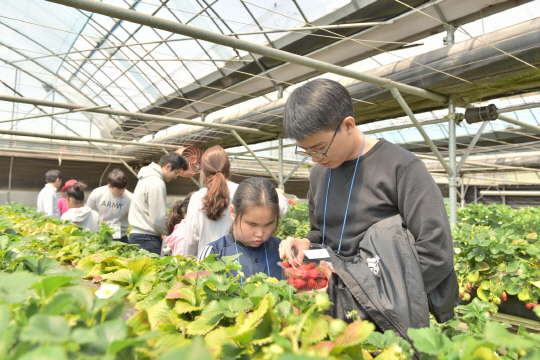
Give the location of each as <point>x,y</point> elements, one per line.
<point>466,33</point>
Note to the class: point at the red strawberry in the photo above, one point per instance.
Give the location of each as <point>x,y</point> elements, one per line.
<point>290,281</point>
<point>287,273</point>
<point>296,274</point>
<point>293,202</point>
<point>322,283</point>
<point>504,296</point>
<point>299,284</point>
<point>311,284</point>
<point>286,264</point>
<point>312,266</point>
<point>468,287</point>
<point>529,306</point>
<point>534,305</point>
<point>315,274</point>
<point>306,275</point>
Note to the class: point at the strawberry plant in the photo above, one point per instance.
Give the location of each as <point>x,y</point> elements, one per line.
<point>181,308</point>
<point>497,253</point>
<point>295,223</point>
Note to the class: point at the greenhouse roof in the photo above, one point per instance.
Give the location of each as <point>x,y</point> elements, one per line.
<point>84,58</point>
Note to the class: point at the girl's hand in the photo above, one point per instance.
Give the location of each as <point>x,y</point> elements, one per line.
<point>290,244</point>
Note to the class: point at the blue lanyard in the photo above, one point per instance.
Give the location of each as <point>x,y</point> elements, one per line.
<point>265,253</point>
<point>348,200</point>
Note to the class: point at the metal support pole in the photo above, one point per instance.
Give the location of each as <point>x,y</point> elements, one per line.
<point>58,113</point>
<point>235,134</point>
<point>462,191</point>
<point>201,34</point>
<point>430,143</point>
<point>475,195</point>
<point>129,168</point>
<point>104,171</point>
<point>280,163</point>
<point>280,89</point>
<point>452,181</point>
<point>80,138</point>
<point>295,168</point>
<point>201,180</point>
<point>518,108</point>
<point>164,150</point>
<point>9,181</point>
<point>471,147</point>
<point>195,182</point>
<point>60,153</point>
<point>132,115</point>
<point>519,123</point>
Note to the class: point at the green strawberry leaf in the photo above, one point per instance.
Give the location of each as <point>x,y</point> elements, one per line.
<point>315,332</point>
<point>43,328</point>
<point>354,334</point>
<point>429,341</point>
<point>203,325</point>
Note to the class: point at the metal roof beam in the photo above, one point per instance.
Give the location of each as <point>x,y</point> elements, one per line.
<point>139,116</point>
<point>79,138</point>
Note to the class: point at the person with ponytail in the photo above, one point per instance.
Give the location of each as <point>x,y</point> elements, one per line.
<point>176,227</point>
<point>78,213</point>
<point>208,216</point>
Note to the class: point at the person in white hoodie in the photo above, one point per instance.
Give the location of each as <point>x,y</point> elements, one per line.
<point>47,201</point>
<point>78,213</point>
<point>112,202</point>
<point>148,210</point>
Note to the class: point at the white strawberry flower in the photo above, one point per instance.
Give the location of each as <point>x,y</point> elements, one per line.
<point>106,291</point>
<point>500,222</point>
<point>41,237</point>
<point>15,250</point>
<point>457,251</point>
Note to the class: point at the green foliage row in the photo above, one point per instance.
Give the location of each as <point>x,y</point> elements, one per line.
<point>189,310</point>
<point>497,252</point>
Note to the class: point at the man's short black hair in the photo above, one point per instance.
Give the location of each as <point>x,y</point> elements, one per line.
<point>177,161</point>
<point>318,105</point>
<point>52,175</point>
<point>117,179</point>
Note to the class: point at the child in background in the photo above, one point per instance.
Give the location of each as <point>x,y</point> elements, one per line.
<point>62,202</point>
<point>176,225</point>
<point>255,215</point>
<point>79,214</point>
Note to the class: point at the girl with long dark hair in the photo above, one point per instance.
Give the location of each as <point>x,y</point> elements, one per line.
<point>254,214</point>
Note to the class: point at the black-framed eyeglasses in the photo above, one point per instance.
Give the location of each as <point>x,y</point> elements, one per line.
<point>317,153</point>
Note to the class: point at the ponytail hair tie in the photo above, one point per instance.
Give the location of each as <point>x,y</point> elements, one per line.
<point>219,171</point>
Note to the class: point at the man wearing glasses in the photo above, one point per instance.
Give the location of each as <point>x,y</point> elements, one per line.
<point>358,181</point>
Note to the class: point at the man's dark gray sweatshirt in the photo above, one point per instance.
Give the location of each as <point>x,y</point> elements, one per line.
<point>390,180</point>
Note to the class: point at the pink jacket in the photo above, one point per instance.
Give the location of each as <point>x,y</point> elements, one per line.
<point>176,239</point>
<point>62,205</point>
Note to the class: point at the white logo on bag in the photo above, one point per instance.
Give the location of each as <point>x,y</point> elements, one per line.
<point>373,264</point>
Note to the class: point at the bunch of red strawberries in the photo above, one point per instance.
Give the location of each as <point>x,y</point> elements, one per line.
<point>304,276</point>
